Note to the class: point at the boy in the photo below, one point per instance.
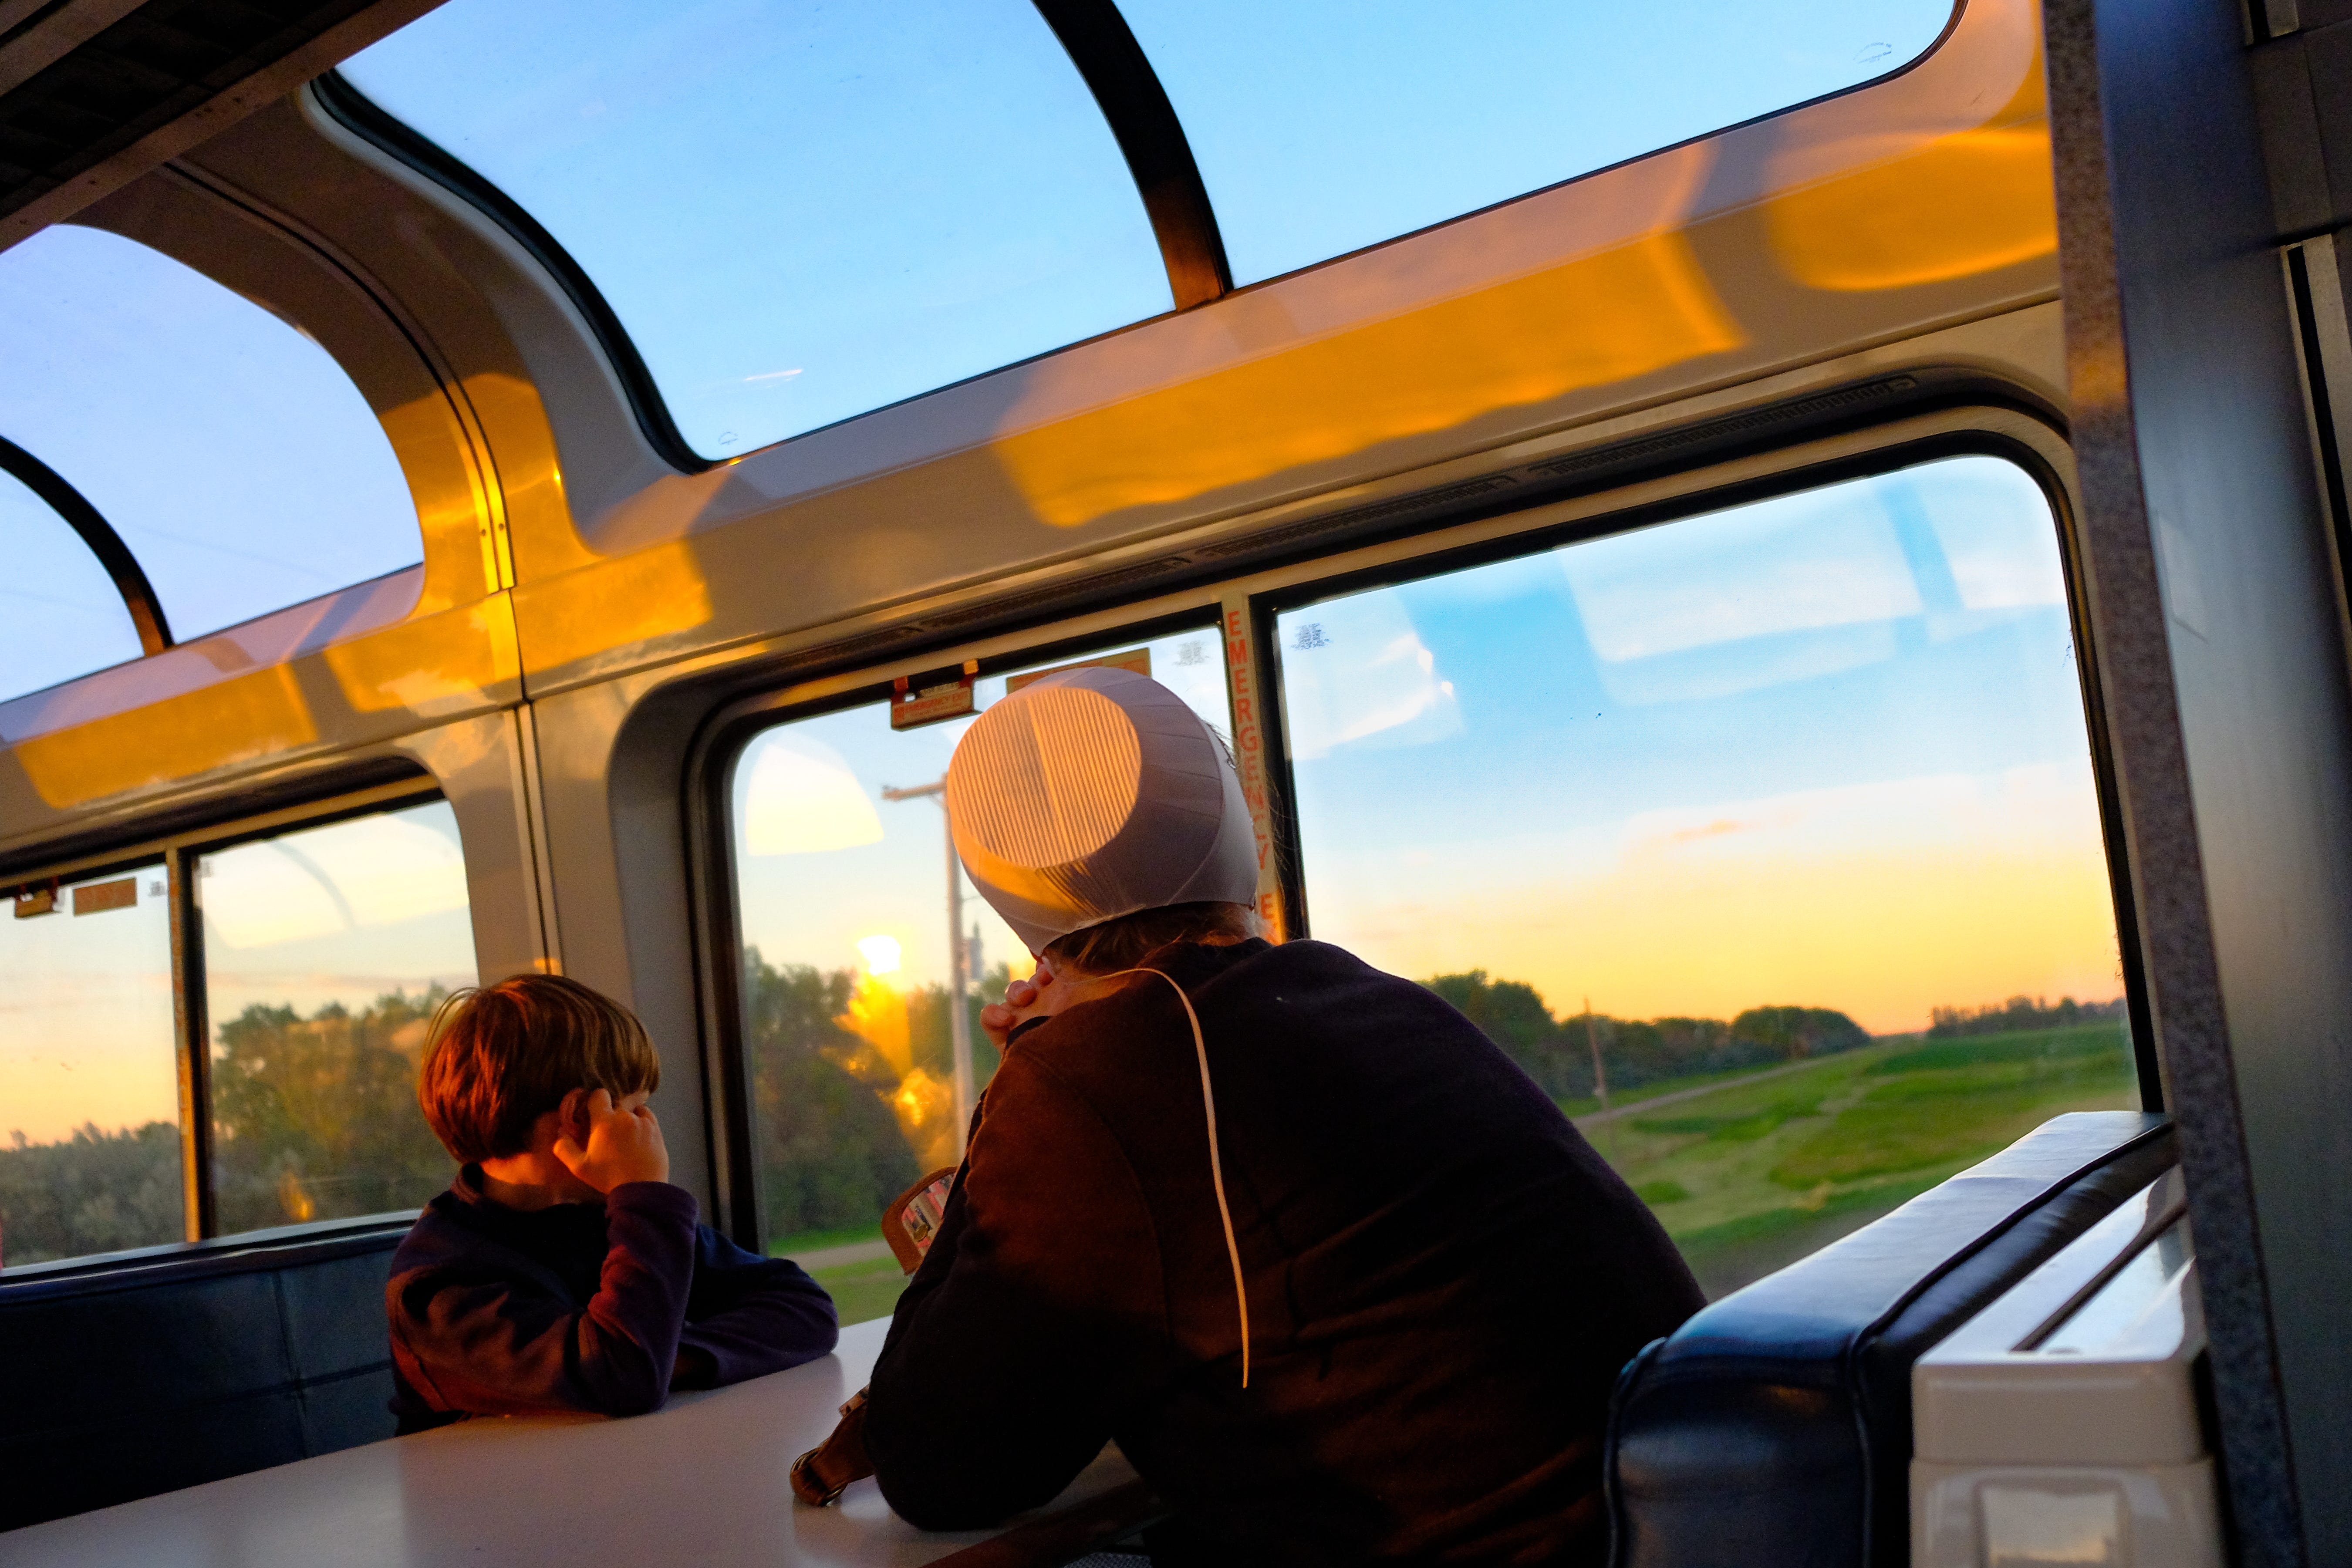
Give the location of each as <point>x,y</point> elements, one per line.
<point>561,1270</point>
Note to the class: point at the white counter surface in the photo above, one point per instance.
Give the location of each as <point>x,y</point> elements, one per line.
<point>701,1482</point>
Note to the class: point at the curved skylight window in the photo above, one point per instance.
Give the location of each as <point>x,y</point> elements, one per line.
<point>1320,129</point>
<point>61,612</point>
<point>236,461</point>
<point>798,213</point>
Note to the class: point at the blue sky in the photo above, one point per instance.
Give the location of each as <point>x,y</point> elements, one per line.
<point>804,210</point>
<point>65,616</point>
<point>1737,735</point>
<point>800,211</point>
<point>230,452</point>
<point>1320,129</point>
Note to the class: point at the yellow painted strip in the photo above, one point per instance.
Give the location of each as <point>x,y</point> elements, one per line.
<point>617,603</point>
<point>431,663</point>
<point>242,717</point>
<point>1964,203</point>
<point>1623,312</point>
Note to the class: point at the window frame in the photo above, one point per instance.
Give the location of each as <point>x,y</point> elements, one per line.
<point>1973,431</point>
<point>714,757</point>
<point>176,850</point>
<point>1247,602</point>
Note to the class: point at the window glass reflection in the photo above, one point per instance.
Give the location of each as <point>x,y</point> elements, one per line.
<point>90,1078</point>
<point>326,951</point>
<point>843,872</point>
<point>64,616</point>
<point>236,461</point>
<point>799,212</point>
<point>1321,130</point>
<point>1785,811</point>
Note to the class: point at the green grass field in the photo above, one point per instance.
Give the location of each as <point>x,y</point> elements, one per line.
<point>1757,1174</point>
<point>863,1290</point>
<point>860,1290</point>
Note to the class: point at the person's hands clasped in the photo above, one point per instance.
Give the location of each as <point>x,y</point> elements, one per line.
<point>999,1019</point>
<point>1041,995</point>
<point>624,1141</point>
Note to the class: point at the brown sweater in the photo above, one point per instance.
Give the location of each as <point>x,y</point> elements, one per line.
<point>1443,1278</point>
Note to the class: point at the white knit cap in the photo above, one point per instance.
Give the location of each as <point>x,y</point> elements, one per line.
<point>1092,793</point>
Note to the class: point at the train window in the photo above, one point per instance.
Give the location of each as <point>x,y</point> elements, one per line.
<point>1318,133</point>
<point>261,476</point>
<point>1779,822</point>
<point>798,213</point>
<point>325,951</point>
<point>860,1079</point>
<point>89,1080</point>
<point>65,616</point>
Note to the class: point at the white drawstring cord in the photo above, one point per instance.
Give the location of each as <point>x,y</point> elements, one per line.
<point>1216,1167</point>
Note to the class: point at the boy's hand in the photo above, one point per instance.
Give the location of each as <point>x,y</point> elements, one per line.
<point>624,1142</point>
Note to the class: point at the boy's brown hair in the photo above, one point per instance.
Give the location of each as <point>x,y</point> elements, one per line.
<point>502,1056</point>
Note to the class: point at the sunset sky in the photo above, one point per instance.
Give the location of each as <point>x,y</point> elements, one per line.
<point>1827,750</point>
<point>823,861</point>
<point>341,913</point>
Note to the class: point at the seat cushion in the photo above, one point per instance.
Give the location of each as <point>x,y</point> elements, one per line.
<point>119,1381</point>
<point>1774,1427</point>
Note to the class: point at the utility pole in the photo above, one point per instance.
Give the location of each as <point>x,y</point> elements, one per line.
<point>1599,1073</point>
<point>1600,1078</point>
<point>959,1019</point>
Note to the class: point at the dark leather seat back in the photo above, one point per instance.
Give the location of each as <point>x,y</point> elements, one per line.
<point>120,1379</point>
<point>1774,1428</point>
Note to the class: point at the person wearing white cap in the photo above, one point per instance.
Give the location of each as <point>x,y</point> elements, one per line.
<point>1341,1282</point>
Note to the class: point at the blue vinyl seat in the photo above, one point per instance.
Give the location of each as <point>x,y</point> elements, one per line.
<point>125,1377</point>
<point>1774,1428</point>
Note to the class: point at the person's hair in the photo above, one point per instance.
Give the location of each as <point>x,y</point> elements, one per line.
<point>1123,943</point>
<point>502,1056</point>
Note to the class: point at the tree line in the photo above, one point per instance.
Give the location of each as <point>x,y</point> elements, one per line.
<point>842,1121</point>
<point>2018,1012</point>
<point>1557,1052</point>
<point>852,1098</point>
<point>313,1118</point>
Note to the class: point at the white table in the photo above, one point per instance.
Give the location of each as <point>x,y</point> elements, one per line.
<point>703,1481</point>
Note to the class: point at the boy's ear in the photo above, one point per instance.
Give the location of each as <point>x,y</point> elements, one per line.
<point>571,1116</point>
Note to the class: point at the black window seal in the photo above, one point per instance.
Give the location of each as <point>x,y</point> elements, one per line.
<point>362,118</point>
<point>86,520</point>
<point>1144,122</point>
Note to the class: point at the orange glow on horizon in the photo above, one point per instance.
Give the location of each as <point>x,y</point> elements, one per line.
<point>1922,908</point>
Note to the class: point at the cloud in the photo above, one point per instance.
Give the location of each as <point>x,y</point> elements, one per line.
<point>1356,673</point>
<point>802,797</point>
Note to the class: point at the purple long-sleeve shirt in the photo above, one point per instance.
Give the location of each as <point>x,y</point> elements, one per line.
<point>497,1312</point>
